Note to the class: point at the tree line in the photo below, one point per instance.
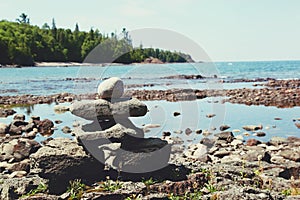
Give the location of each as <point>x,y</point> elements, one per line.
<point>24,44</point>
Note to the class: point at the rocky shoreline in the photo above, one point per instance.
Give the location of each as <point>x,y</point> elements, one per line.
<point>220,166</point>
<point>279,93</point>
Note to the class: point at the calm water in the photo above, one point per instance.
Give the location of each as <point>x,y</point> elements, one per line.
<point>51,80</point>
<point>193,116</point>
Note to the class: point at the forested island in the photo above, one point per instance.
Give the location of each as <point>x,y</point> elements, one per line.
<point>24,44</point>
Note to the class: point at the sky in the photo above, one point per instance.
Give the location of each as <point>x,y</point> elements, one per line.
<point>227,30</point>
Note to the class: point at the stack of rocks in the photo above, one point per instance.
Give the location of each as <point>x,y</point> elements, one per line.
<point>112,138</point>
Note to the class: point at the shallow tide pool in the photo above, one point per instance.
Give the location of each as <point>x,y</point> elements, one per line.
<point>192,115</point>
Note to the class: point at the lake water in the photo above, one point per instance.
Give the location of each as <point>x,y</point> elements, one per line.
<point>52,80</point>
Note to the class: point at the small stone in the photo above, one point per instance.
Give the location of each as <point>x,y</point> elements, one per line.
<point>277,118</point>
<point>260,134</point>
<point>206,133</point>
<point>19,117</point>
<point>297,125</point>
<point>224,127</point>
<point>236,130</point>
<point>199,131</point>
<point>166,133</point>
<point>66,129</point>
<point>61,109</point>
<point>188,131</point>
<point>252,127</point>
<point>252,142</point>
<point>178,132</point>
<point>57,121</point>
<point>221,153</point>
<point>176,114</point>
<point>210,115</point>
<point>45,126</point>
<point>236,142</point>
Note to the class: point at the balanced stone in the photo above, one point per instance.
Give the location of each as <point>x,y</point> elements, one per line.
<point>91,110</point>
<point>111,88</point>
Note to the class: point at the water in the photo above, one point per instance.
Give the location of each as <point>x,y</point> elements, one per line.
<point>193,116</point>
<point>52,80</point>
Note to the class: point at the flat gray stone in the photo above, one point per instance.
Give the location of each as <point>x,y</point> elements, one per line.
<point>92,110</point>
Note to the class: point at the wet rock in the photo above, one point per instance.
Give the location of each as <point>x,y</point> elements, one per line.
<point>4,112</point>
<point>253,142</point>
<point>277,118</point>
<point>19,117</point>
<point>176,114</point>
<point>57,121</point>
<point>198,131</point>
<point>61,109</point>
<point>224,127</point>
<point>297,125</point>
<point>188,131</point>
<point>66,129</point>
<point>210,115</point>
<point>227,136</point>
<point>111,88</point>
<point>252,127</point>
<point>166,133</point>
<point>16,127</point>
<point>178,132</point>
<point>260,134</point>
<point>45,126</point>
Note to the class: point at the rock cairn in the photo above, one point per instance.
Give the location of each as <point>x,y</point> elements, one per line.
<point>112,138</point>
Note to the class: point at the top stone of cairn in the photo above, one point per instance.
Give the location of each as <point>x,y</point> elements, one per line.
<point>112,88</point>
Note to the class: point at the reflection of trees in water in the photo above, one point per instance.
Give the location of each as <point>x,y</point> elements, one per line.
<point>28,109</point>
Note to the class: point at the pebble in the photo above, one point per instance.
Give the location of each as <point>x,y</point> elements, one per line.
<point>188,131</point>
<point>176,114</point>
<point>210,115</point>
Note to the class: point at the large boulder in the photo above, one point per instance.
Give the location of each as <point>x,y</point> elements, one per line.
<point>112,88</point>
<point>61,160</point>
<point>92,110</point>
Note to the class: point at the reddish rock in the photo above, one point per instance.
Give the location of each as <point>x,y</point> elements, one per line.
<point>252,142</point>
<point>45,126</point>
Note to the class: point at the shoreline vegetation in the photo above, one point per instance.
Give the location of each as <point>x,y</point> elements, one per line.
<point>22,44</point>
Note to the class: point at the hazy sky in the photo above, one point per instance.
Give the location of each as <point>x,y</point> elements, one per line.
<point>227,30</point>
